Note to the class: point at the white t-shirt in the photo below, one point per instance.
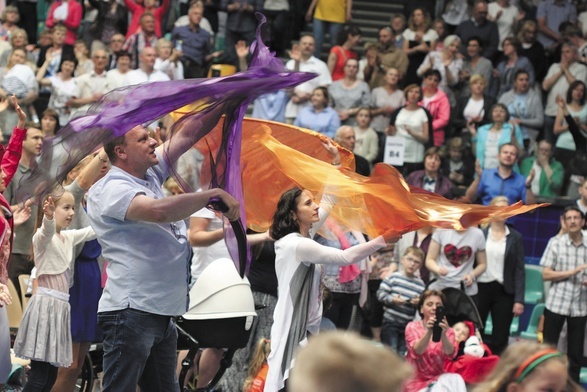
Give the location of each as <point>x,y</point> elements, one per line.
<point>474,109</point>
<point>495,258</point>
<point>410,35</point>
<point>381,98</point>
<point>561,85</point>
<point>323,79</point>
<point>414,150</point>
<point>506,21</point>
<point>203,256</point>
<point>457,255</point>
<point>137,76</point>
<point>60,96</point>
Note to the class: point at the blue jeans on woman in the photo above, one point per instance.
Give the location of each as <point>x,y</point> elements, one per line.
<point>139,349</point>
<point>320,27</point>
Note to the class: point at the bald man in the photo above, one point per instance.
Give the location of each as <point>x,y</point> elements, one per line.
<point>146,71</point>
<point>345,136</point>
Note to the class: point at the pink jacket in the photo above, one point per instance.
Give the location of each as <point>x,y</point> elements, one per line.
<point>439,108</point>
<point>72,23</point>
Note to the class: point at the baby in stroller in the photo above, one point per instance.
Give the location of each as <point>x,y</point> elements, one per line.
<point>474,360</point>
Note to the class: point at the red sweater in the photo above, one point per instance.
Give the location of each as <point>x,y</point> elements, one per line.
<point>72,23</point>
<point>137,10</point>
<point>9,164</point>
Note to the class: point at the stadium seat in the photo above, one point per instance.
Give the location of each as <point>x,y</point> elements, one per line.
<point>534,285</point>
<point>531,331</point>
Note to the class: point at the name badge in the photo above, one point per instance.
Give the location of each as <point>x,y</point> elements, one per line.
<point>394,150</point>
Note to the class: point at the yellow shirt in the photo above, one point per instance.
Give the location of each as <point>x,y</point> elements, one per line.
<point>331,11</point>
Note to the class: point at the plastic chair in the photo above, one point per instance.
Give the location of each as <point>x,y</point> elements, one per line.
<point>583,376</point>
<point>531,331</point>
<point>23,281</point>
<point>221,70</point>
<point>534,285</point>
<point>15,309</point>
<point>514,326</point>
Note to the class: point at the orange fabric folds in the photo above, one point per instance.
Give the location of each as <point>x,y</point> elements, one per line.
<point>276,157</point>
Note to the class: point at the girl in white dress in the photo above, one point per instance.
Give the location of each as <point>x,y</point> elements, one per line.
<point>44,335</point>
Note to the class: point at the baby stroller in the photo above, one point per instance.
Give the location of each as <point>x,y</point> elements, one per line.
<point>220,315</point>
<point>460,307</point>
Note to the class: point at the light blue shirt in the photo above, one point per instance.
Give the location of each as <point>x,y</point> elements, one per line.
<point>147,262</point>
<point>326,121</point>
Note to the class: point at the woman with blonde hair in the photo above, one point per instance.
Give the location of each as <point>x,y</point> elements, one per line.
<point>473,109</point>
<point>258,367</point>
<point>528,366</point>
<point>10,17</point>
<point>419,39</point>
<point>502,285</point>
<point>447,63</point>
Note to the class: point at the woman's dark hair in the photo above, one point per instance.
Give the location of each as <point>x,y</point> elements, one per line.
<point>324,91</point>
<point>501,105</point>
<point>52,113</point>
<point>476,39</point>
<point>284,222</point>
<point>430,293</point>
<point>69,58</point>
<point>431,72</point>
<point>344,33</point>
<point>574,86</point>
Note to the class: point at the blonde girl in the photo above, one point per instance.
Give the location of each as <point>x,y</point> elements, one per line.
<point>258,367</point>
<point>44,335</point>
<point>366,140</point>
<point>528,366</point>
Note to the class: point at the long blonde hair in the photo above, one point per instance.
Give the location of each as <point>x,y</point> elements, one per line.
<point>259,359</point>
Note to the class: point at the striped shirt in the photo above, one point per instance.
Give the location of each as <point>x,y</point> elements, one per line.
<point>567,297</point>
<point>406,288</point>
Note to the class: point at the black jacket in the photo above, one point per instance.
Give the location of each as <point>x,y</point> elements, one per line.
<point>514,268</point>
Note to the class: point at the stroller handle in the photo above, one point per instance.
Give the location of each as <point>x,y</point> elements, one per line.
<point>217,204</point>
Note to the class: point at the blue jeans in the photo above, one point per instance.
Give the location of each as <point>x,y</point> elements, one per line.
<point>139,349</point>
<point>393,334</point>
<point>319,28</point>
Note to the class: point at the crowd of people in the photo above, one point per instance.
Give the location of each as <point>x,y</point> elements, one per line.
<point>475,102</point>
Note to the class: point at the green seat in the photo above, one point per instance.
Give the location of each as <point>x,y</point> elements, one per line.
<point>514,327</point>
<point>488,326</point>
<point>531,331</point>
<point>583,376</point>
<point>534,286</point>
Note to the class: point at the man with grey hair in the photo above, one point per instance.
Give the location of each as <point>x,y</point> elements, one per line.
<point>92,85</point>
<point>345,136</point>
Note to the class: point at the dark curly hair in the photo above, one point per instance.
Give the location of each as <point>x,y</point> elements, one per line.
<point>283,219</point>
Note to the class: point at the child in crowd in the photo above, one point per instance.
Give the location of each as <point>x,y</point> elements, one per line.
<point>527,366</point>
<point>44,335</point>
<point>366,140</point>
<point>258,367</point>
<point>471,367</point>
<point>400,294</point>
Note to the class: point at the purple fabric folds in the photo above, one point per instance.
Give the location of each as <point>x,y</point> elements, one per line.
<point>120,110</point>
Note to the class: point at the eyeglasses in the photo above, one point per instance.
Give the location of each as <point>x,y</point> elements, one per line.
<point>117,40</point>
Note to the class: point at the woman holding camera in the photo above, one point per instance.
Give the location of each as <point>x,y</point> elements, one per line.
<point>428,349</point>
